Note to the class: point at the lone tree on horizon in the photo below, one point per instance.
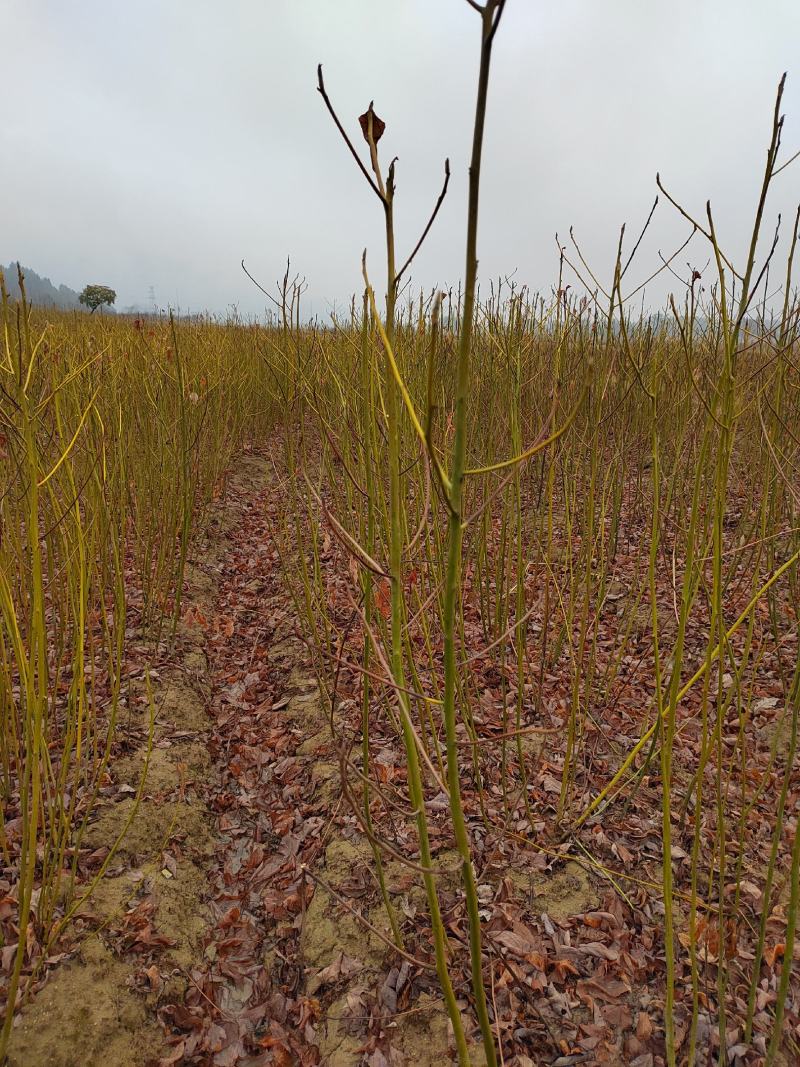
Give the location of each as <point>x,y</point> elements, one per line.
<point>94,296</point>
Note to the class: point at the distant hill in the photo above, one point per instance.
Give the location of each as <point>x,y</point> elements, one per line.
<point>39,290</point>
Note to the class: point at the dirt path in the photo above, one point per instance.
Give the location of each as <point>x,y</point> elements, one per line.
<point>206,942</point>
<point>293,972</point>
<point>239,924</point>
<point>137,941</point>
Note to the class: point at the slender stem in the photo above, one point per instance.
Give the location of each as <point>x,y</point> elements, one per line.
<point>490,15</point>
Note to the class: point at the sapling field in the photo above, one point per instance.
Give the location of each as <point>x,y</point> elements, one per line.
<point>416,687</point>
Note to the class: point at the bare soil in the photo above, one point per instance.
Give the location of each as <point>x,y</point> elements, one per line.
<point>240,922</point>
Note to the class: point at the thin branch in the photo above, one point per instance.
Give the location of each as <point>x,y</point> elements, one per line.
<point>641,237</point>
<point>347,141</point>
<point>783,166</point>
<point>269,296</point>
<point>775,460</point>
<point>347,542</point>
<point>665,266</point>
<point>541,443</point>
<point>697,226</point>
<point>496,16</point>
<point>685,348</point>
<point>523,731</point>
<point>305,869</point>
<point>431,220</point>
<point>583,261</point>
<point>391,680</point>
<point>747,301</point>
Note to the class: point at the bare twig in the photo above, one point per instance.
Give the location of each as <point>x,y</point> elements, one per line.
<point>431,220</point>
<point>321,90</point>
<point>357,915</point>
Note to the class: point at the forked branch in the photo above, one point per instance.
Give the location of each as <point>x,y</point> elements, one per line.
<point>323,93</point>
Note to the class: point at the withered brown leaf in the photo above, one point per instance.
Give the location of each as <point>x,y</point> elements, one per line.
<point>378,125</point>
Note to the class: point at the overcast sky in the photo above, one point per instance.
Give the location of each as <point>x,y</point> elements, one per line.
<point>159,143</point>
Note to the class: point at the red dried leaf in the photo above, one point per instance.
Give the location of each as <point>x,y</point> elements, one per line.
<point>378,125</point>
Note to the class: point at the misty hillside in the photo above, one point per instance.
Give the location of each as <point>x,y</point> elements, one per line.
<point>38,289</point>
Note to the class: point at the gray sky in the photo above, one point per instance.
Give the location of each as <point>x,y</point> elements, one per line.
<point>158,143</point>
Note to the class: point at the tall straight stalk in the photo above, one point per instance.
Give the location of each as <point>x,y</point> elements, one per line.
<point>33,670</point>
<point>490,16</point>
<point>187,503</point>
<point>396,657</point>
<point>368,444</point>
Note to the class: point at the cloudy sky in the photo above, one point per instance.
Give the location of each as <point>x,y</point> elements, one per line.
<point>159,143</point>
